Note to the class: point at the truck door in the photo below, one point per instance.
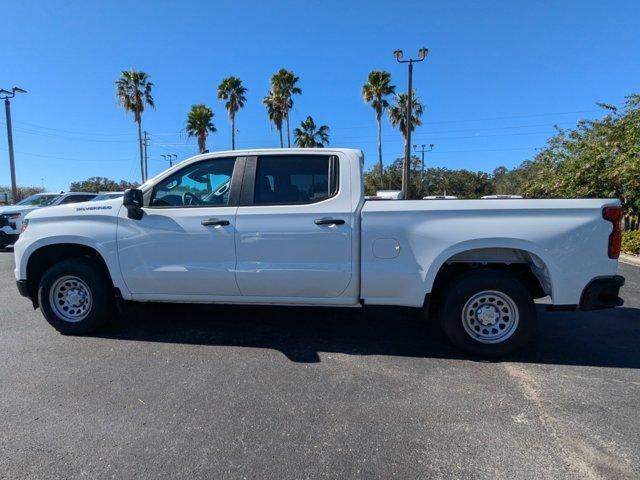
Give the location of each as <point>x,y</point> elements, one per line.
<point>293,228</point>
<point>184,244</point>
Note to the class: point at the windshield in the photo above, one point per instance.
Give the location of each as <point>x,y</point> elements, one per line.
<point>38,200</point>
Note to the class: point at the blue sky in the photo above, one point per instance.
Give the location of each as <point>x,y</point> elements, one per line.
<point>498,77</point>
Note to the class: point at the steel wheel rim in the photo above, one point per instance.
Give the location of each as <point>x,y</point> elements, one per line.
<point>70,298</point>
<point>490,317</point>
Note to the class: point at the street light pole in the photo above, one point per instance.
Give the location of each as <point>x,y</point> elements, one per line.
<point>169,156</point>
<point>6,95</point>
<point>422,54</point>
<point>422,151</point>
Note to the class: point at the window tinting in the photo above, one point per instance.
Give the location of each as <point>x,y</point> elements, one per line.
<point>205,183</point>
<point>286,179</point>
<point>76,199</point>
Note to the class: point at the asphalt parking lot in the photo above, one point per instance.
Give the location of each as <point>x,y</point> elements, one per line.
<point>290,393</point>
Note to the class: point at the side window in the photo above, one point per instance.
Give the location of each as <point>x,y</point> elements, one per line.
<point>291,179</point>
<point>206,183</point>
<point>76,199</point>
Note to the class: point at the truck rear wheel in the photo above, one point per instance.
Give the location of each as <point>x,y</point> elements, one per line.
<point>487,312</point>
<point>74,296</point>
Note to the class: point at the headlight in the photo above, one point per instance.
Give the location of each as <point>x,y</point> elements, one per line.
<point>25,224</point>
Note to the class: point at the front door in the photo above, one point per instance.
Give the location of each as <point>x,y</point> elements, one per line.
<point>184,244</point>
<point>293,230</point>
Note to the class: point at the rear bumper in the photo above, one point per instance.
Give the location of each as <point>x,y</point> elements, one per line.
<point>7,238</point>
<point>602,292</point>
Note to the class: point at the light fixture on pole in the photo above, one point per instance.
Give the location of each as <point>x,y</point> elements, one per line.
<point>168,158</point>
<point>422,54</point>
<point>6,96</point>
<point>423,150</point>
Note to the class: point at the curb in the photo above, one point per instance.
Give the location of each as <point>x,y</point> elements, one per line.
<point>630,259</point>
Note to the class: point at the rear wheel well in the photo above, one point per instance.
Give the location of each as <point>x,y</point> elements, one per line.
<point>522,271</point>
<point>43,258</point>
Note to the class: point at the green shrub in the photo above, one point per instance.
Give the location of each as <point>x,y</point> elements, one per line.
<point>631,241</point>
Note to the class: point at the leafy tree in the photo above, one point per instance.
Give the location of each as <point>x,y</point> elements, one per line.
<point>284,86</point>
<point>374,92</point>
<point>23,192</point>
<point>435,181</point>
<point>232,90</point>
<point>275,111</point>
<point>200,124</point>
<point>309,135</point>
<point>599,158</point>
<point>101,184</point>
<point>133,90</point>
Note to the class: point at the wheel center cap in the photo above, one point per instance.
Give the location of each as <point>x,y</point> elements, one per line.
<point>75,298</point>
<point>487,315</point>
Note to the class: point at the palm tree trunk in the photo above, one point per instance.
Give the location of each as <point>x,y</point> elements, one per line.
<point>380,152</point>
<point>288,133</point>
<point>139,122</point>
<point>280,133</point>
<point>202,143</point>
<point>233,132</point>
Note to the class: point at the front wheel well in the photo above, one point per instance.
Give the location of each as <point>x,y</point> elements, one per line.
<point>44,257</point>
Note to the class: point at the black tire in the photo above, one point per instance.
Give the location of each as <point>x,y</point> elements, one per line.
<point>468,331</point>
<point>101,306</point>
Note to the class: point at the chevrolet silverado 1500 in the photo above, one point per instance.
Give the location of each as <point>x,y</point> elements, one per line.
<point>292,227</point>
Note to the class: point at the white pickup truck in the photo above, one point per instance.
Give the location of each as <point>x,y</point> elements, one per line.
<point>292,227</point>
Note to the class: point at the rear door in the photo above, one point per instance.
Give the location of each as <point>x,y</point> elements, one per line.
<point>293,228</point>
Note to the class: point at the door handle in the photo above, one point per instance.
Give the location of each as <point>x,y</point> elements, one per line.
<point>328,221</point>
<point>215,222</point>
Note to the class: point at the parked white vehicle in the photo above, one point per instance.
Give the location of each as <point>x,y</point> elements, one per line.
<point>11,216</point>
<point>292,227</point>
<point>501,197</point>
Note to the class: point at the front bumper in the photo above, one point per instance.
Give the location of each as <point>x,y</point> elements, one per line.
<point>22,288</point>
<point>7,238</point>
<point>602,292</point>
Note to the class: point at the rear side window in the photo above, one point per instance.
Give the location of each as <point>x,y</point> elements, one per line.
<point>295,179</point>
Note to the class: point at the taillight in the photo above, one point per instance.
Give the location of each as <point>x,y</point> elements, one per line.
<point>614,215</point>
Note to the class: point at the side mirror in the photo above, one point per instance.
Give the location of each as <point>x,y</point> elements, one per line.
<point>133,202</point>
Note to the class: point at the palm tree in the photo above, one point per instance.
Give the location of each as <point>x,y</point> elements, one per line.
<point>378,87</point>
<point>274,111</point>
<point>283,85</point>
<point>232,90</point>
<point>398,113</point>
<point>200,124</point>
<point>310,136</point>
<point>133,90</point>
<point>398,118</point>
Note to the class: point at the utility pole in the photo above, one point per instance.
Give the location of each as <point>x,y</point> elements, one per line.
<point>175,157</point>
<point>145,142</point>
<point>6,95</point>
<point>406,164</point>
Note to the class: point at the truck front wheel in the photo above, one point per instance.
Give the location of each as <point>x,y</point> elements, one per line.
<point>74,296</point>
<point>487,312</point>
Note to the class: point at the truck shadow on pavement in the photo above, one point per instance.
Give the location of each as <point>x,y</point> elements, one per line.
<point>607,338</point>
